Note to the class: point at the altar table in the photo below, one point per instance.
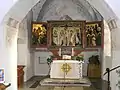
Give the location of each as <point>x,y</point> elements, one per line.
<point>70,69</point>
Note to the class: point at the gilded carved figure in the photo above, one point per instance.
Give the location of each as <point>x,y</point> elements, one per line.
<point>93,34</point>
<point>66,36</point>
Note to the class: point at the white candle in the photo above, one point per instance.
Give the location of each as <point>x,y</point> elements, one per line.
<point>59,51</point>
<point>72,51</point>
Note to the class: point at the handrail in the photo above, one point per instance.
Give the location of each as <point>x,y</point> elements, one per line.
<point>111,70</point>
<point>108,71</point>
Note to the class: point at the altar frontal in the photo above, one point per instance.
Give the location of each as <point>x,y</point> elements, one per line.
<point>69,69</point>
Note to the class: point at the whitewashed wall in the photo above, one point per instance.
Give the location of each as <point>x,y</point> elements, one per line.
<point>25,56</point>
<point>21,52</point>
<point>40,65</point>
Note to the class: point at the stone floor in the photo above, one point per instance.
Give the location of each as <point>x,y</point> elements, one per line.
<point>97,84</point>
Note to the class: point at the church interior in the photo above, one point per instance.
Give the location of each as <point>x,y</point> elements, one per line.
<point>60,45</point>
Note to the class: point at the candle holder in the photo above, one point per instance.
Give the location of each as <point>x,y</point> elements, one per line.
<point>59,51</point>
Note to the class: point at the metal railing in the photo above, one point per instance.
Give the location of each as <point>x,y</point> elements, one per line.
<point>108,72</point>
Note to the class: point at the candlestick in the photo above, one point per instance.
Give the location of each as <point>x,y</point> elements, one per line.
<point>72,51</point>
<point>59,51</point>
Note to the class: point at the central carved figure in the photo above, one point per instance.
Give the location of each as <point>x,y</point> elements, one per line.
<point>67,35</point>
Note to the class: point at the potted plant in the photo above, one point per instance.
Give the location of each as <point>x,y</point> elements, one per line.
<point>94,59</point>
<point>49,61</point>
<point>94,69</point>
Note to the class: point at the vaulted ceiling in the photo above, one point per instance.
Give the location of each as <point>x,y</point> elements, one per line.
<point>43,10</point>
<point>65,9</point>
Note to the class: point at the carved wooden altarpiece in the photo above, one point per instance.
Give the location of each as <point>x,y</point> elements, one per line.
<point>66,33</point>
<point>80,35</point>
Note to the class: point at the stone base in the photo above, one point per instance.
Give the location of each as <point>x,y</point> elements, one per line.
<point>68,88</point>
<point>66,82</point>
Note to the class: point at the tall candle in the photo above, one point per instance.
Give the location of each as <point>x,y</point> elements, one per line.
<point>59,51</point>
<point>72,51</point>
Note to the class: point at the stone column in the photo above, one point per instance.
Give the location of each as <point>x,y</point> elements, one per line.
<point>9,53</point>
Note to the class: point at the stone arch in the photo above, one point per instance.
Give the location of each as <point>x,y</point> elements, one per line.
<point>76,9</point>
<point>17,13</point>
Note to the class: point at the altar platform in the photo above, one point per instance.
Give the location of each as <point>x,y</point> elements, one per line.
<point>82,82</point>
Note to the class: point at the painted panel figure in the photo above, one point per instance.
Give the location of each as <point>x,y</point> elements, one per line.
<point>67,33</point>
<point>39,34</point>
<point>93,34</point>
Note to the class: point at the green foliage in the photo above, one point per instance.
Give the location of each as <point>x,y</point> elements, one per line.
<point>79,58</point>
<point>94,59</point>
<point>50,60</point>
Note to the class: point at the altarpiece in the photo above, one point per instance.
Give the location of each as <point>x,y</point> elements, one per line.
<point>67,33</point>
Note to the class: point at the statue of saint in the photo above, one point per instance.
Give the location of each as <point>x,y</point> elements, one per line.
<point>55,36</point>
<point>78,37</point>
<point>98,38</point>
<point>88,39</point>
<point>73,38</point>
<point>91,38</point>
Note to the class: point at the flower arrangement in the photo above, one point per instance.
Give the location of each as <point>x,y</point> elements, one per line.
<point>80,57</point>
<point>94,59</point>
<point>49,60</point>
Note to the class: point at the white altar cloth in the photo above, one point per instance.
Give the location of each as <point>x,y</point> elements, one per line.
<point>65,69</point>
